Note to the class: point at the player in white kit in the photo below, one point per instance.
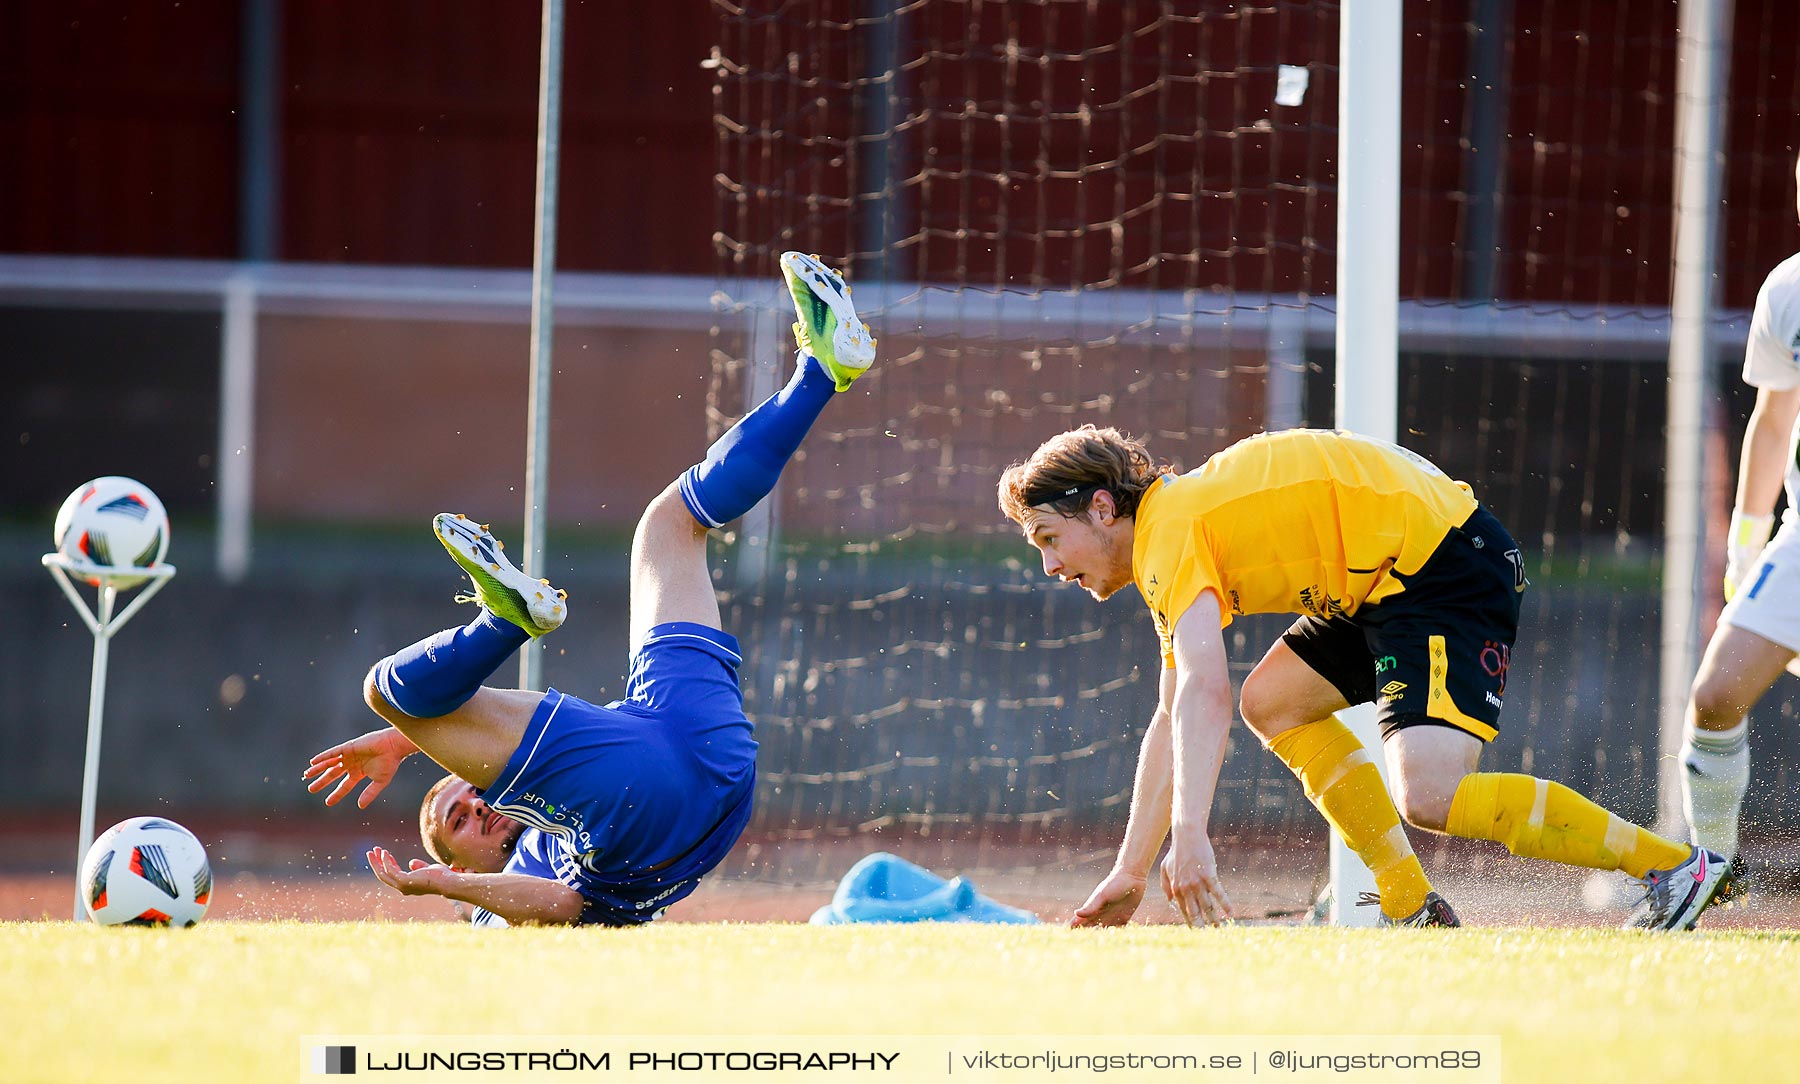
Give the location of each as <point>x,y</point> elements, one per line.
<point>1758,634</point>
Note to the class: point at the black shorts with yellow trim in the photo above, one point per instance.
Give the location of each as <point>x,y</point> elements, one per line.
<point>1436,654</point>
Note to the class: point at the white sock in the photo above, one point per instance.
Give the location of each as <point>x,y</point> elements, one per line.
<point>1715,773</point>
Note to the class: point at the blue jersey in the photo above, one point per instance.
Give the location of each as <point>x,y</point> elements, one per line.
<point>632,802</point>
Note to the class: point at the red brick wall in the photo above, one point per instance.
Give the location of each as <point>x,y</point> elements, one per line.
<point>408,132</point>
<point>408,129</point>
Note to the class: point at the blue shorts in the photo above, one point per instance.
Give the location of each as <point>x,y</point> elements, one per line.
<point>638,799</point>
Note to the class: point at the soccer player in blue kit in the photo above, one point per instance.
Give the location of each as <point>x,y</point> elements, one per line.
<point>557,810</point>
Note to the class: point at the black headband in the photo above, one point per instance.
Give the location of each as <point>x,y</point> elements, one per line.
<point>1045,494</point>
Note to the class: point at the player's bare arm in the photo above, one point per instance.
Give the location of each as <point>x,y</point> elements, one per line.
<point>519,898</point>
<point>1117,897</point>
<point>374,757</point>
<point>1200,716</point>
<point>1766,447</point>
<point>1761,467</point>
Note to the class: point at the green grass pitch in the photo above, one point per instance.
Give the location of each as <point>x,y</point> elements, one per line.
<point>232,1000</point>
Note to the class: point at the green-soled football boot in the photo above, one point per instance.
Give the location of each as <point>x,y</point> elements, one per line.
<point>502,589</point>
<point>828,328</point>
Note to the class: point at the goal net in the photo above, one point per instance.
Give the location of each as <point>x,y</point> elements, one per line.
<point>1060,212</point>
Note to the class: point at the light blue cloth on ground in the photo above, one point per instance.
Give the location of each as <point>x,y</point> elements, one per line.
<point>887,888</point>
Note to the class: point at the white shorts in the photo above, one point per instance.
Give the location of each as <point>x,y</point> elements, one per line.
<point>1767,602</point>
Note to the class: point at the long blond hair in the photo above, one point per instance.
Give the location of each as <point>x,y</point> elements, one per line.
<point>1068,469</point>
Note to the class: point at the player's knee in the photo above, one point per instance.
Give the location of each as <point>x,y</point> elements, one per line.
<point>668,522</point>
<point>377,700</point>
<point>1714,702</point>
<point>1422,807</point>
<point>1261,709</point>
<point>372,690</point>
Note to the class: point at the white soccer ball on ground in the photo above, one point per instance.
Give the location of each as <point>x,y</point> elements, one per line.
<point>109,525</point>
<point>147,871</point>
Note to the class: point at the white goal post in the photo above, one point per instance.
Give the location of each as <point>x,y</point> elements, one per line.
<point>1368,310</point>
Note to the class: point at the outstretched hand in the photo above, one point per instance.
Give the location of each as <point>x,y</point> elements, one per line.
<point>419,878</point>
<point>375,756</point>
<point>1190,878</point>
<point>1112,902</point>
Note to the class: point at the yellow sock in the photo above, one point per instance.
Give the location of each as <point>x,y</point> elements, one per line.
<point>1536,818</point>
<point>1343,782</point>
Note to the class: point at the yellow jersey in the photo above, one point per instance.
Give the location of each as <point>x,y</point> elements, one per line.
<point>1302,521</point>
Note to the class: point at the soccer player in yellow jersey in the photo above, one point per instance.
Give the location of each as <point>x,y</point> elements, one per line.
<point>1409,595</point>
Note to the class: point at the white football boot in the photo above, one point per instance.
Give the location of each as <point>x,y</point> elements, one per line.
<point>828,327</point>
<point>502,589</point>
<point>1674,898</point>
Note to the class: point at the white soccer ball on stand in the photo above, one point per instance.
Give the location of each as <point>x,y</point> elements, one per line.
<point>109,526</point>
<point>112,533</point>
<point>147,871</point>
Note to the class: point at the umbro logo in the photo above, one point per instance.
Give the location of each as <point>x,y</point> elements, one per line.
<point>1393,689</point>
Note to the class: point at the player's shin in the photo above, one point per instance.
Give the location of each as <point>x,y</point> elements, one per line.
<point>1715,773</point>
<point>742,465</point>
<point>440,673</point>
<point>1344,783</point>
<point>1536,818</point>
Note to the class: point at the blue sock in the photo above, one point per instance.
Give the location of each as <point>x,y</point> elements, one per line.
<point>440,673</point>
<point>741,467</point>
